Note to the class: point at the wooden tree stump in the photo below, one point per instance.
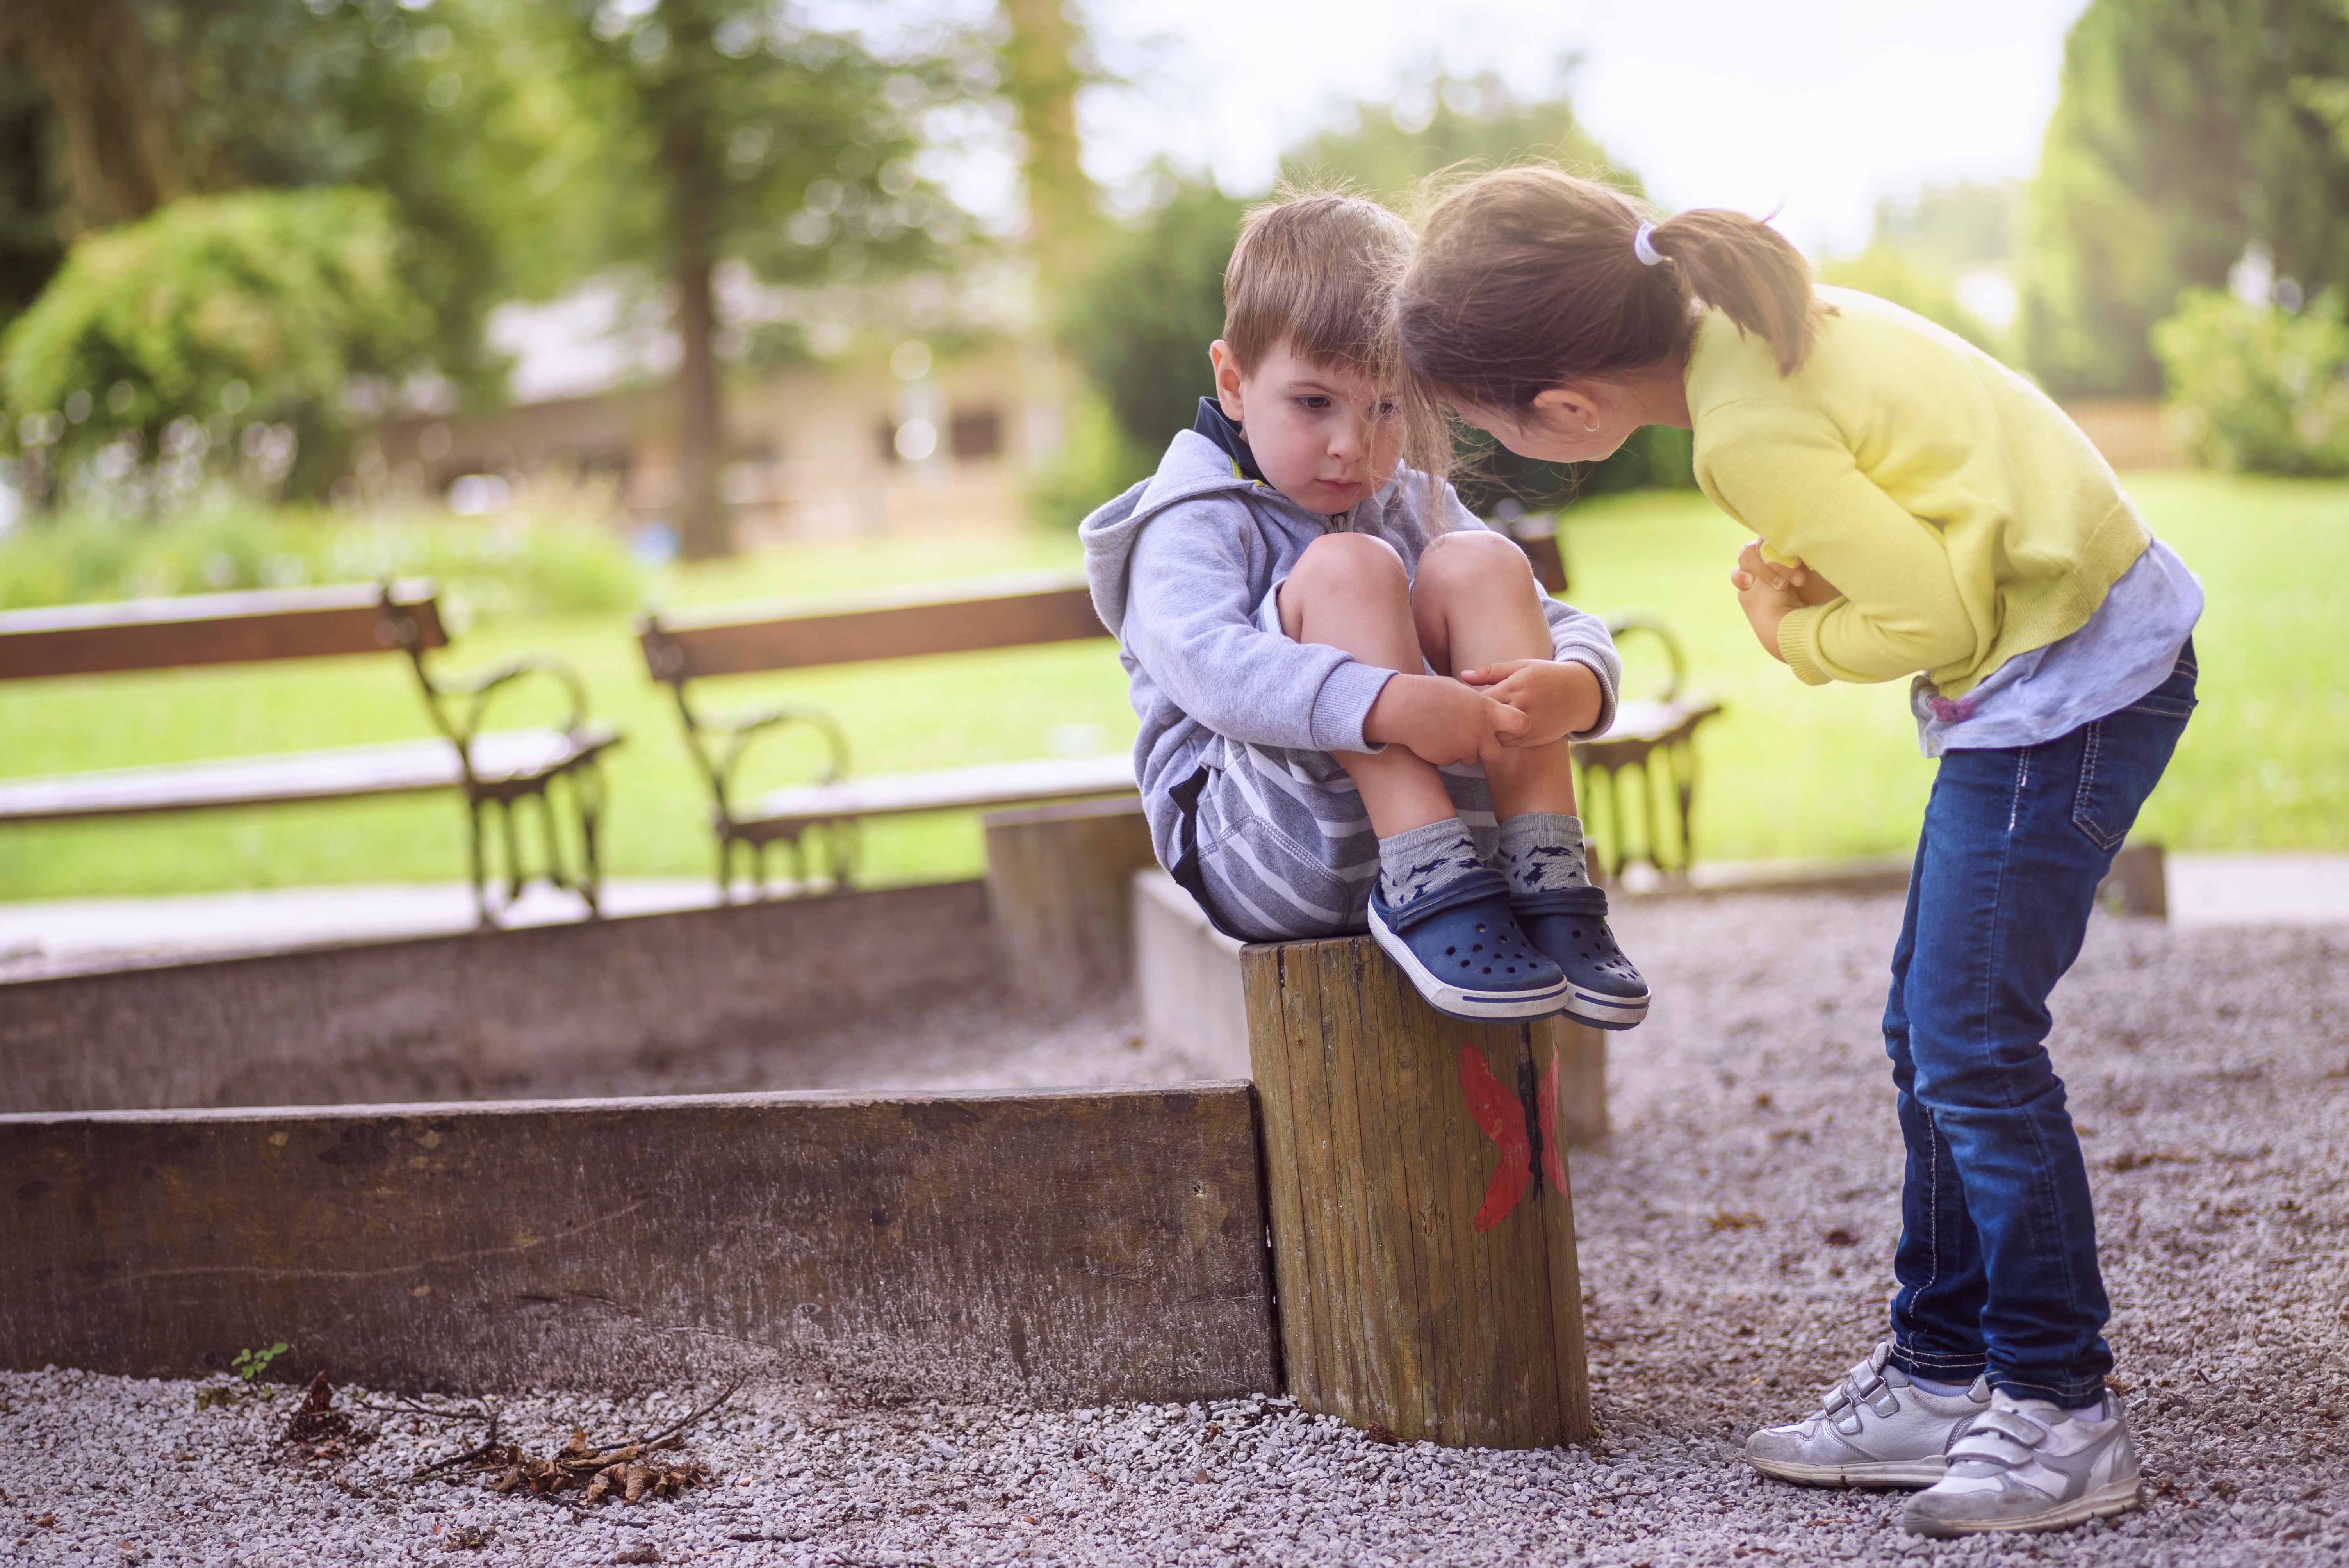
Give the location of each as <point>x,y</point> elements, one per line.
<point>1057,891</point>
<point>1422,1225</point>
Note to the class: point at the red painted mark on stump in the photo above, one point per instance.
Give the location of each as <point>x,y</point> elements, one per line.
<point>1518,1124</point>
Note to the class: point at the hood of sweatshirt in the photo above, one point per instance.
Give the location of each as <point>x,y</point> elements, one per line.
<point>1210,458</point>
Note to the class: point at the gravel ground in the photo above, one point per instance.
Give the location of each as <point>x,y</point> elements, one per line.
<point>1736,1231</point>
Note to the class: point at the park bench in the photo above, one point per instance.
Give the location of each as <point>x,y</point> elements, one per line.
<point>910,623</point>
<point>495,772</point>
<point>1647,729</point>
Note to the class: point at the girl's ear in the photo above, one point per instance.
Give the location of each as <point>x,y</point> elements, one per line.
<point>1227,380</point>
<point>1566,408</point>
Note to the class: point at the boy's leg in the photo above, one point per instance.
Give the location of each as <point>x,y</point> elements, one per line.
<point>1351,591</point>
<point>1476,604</point>
<point>1438,910</point>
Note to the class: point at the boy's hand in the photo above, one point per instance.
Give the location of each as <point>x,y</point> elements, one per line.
<point>1441,721</point>
<point>1558,698</point>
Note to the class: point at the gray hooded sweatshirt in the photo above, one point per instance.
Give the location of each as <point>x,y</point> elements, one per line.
<point>1179,566</point>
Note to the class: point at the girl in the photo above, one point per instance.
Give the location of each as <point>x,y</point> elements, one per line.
<point>1921,510</point>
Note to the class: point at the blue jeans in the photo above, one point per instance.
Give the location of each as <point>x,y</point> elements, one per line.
<point>1997,1262</point>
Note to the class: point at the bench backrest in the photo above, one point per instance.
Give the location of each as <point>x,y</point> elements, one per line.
<point>220,629</point>
<point>906,623</point>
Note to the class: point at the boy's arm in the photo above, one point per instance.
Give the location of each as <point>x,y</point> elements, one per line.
<point>1190,621</point>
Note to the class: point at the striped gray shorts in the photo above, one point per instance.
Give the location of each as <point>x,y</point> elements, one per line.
<point>1276,845</point>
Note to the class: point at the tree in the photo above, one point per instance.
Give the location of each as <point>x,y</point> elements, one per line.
<point>752,134</point>
<point>1387,150</point>
<point>1042,67</point>
<point>2188,129</point>
<point>454,109</point>
<point>246,316</point>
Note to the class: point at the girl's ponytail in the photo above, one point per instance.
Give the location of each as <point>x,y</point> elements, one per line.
<point>1527,278</point>
<point>1747,271</point>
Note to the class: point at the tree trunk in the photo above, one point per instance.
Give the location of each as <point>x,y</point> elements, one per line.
<point>91,59</point>
<point>702,526</point>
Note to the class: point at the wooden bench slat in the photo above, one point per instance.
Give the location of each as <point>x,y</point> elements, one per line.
<point>952,790</point>
<point>1646,722</point>
<point>399,768</point>
<point>209,629</point>
<point>996,613</point>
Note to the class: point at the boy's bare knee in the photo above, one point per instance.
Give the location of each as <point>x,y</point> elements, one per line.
<point>1353,570</point>
<point>1354,565</point>
<point>1474,558</point>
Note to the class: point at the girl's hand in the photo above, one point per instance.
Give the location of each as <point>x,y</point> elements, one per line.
<point>1807,585</point>
<point>1441,721</point>
<point>1764,607</point>
<point>1558,698</point>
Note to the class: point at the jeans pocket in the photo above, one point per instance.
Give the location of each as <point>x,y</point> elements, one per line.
<point>2122,758</point>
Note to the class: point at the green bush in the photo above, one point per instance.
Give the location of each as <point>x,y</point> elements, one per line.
<point>527,560</point>
<point>2256,388</point>
<point>212,318</point>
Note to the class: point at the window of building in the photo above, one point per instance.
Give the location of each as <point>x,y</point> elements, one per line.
<point>975,433</point>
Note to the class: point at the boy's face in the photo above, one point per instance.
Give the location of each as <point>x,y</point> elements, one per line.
<point>1325,436</point>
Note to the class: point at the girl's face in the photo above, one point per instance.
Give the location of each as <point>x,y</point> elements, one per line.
<point>1578,424</point>
<point>1325,437</point>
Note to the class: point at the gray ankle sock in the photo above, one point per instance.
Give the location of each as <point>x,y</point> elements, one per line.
<point>1934,1386</point>
<point>1414,863</point>
<point>1541,851</point>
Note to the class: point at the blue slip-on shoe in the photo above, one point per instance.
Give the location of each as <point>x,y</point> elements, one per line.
<point>1463,951</point>
<point>1569,924</point>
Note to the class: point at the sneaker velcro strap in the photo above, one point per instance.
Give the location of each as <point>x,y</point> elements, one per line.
<point>1469,887</point>
<point>2009,1425</point>
<point>1588,901</point>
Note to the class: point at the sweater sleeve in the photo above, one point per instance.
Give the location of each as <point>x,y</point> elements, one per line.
<point>1574,635</point>
<point>1190,621</point>
<point>1788,474</point>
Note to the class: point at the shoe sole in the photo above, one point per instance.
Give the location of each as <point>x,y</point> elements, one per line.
<point>1602,1012</point>
<point>1453,1001</point>
<point>1912,1474</point>
<point>2115,1497</point>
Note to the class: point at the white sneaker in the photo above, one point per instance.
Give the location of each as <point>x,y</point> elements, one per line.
<point>2029,1465</point>
<point>1876,1428</point>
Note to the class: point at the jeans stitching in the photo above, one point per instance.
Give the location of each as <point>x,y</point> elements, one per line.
<point>2046,1191</point>
<point>2045,1194</point>
<point>2083,816</point>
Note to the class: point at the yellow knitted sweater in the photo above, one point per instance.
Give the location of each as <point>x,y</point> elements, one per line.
<point>1962,517</point>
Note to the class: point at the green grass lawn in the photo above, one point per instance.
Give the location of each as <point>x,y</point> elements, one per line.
<point>1789,770</point>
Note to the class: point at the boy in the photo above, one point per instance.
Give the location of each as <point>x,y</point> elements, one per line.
<point>1355,700</point>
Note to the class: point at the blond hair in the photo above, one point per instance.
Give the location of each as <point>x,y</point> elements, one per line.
<point>1312,268</point>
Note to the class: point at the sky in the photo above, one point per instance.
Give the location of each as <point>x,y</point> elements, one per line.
<point>1813,109</point>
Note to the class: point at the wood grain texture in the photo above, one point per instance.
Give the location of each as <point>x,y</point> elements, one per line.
<point>1049,1249</point>
<point>1059,890</point>
<point>452,1016</point>
<point>904,623</point>
<point>1394,1309</point>
<point>209,629</point>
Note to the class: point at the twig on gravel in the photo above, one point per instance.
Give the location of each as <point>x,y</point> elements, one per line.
<point>680,1424</point>
<point>488,1446</point>
<point>400,1407</point>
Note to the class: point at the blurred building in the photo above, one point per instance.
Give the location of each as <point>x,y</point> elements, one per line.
<point>885,438</point>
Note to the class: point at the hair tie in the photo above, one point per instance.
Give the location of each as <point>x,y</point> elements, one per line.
<point>1648,253</point>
